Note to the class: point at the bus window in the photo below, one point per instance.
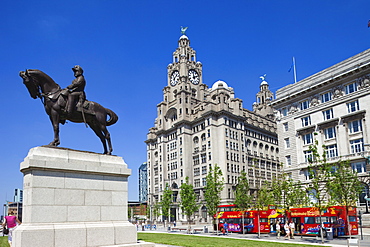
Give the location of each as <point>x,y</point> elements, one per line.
<point>309,220</point>
<point>324,220</point>
<point>263,220</point>
<point>248,221</point>
<point>352,219</point>
<point>333,219</point>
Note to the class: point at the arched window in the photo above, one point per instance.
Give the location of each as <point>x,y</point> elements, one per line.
<point>203,137</point>
<point>204,213</point>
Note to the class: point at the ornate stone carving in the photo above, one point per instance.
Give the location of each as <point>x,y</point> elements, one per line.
<point>363,81</point>
<point>293,108</point>
<point>314,100</point>
<point>337,91</point>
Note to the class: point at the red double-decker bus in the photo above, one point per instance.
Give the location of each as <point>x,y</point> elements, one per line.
<point>250,218</point>
<point>306,219</point>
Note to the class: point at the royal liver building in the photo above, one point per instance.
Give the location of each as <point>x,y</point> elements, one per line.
<point>199,126</point>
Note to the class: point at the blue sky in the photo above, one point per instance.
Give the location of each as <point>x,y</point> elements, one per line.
<point>125,46</point>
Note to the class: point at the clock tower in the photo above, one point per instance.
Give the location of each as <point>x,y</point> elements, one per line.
<point>184,71</point>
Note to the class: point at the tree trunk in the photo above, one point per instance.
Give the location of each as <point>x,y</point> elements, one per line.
<point>243,222</point>
<point>348,223</point>
<point>321,226</point>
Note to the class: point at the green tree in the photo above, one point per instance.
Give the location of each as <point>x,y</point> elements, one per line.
<point>212,191</point>
<point>263,198</point>
<point>344,187</point>
<point>155,210</point>
<point>319,173</point>
<point>287,193</point>
<point>188,202</point>
<point>243,198</point>
<point>166,202</point>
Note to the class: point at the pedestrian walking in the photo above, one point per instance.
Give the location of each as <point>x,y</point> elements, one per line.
<point>292,228</point>
<point>226,228</point>
<point>278,229</point>
<point>286,229</point>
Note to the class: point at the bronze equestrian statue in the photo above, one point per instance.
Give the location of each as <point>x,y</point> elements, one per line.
<point>69,104</point>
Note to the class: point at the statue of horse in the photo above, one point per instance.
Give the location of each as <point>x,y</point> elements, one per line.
<point>40,85</point>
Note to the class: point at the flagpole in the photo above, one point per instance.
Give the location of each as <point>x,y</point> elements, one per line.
<point>294,71</point>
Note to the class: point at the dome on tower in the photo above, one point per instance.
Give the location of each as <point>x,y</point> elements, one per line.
<point>264,83</point>
<point>219,84</point>
<point>184,37</point>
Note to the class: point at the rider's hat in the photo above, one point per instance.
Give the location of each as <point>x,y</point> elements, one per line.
<point>77,68</point>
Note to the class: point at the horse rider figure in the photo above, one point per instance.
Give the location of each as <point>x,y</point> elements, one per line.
<point>76,95</point>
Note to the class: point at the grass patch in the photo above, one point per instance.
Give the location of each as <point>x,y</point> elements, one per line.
<point>195,241</point>
<point>4,241</point>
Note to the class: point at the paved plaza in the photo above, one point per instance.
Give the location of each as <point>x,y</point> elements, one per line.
<point>308,240</point>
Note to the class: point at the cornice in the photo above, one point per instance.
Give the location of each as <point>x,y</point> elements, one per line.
<point>328,123</point>
<point>353,116</point>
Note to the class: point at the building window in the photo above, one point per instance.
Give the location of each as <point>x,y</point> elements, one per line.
<point>328,114</point>
<point>196,171</point>
<point>204,158</point>
<point>197,183</point>
<point>353,106</point>
<point>326,97</point>
<point>288,160</point>
<point>286,127</point>
<point>204,170</point>
<point>329,133</point>
<point>357,146</point>
<point>355,126</point>
<point>359,167</point>
<point>308,156</point>
<point>196,160</point>
<point>204,181</point>
<point>307,138</point>
<point>331,151</point>
<point>350,88</point>
<point>287,143</point>
<point>306,121</point>
<point>227,144</point>
<point>305,104</point>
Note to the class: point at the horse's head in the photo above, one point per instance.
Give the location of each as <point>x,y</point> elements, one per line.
<point>31,84</point>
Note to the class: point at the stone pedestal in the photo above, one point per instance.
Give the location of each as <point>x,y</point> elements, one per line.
<point>74,198</point>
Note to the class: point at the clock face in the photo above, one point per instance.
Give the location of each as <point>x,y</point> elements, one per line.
<point>193,77</point>
<point>174,78</point>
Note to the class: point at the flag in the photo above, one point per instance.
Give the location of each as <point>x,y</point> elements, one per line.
<point>368,23</point>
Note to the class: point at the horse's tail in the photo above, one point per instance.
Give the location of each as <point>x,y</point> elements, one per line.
<point>113,118</point>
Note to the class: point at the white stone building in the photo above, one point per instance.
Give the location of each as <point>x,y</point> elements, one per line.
<point>332,106</point>
<point>197,127</point>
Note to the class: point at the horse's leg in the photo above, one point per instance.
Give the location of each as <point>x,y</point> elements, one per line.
<point>95,127</point>
<point>54,118</point>
<point>107,137</point>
